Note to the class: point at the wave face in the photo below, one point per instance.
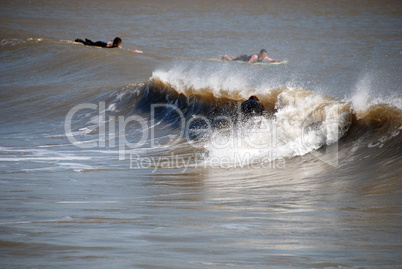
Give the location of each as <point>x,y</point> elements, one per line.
<point>204,113</point>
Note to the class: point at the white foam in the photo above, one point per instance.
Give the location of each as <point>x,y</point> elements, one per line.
<point>221,79</point>
<point>40,154</point>
<point>304,122</point>
<point>86,202</point>
<point>364,97</point>
<point>76,158</point>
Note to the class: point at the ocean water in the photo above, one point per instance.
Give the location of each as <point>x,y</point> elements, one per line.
<point>115,159</point>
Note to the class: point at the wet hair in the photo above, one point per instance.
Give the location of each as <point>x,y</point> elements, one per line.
<point>253,97</point>
<point>262,51</point>
<point>116,41</point>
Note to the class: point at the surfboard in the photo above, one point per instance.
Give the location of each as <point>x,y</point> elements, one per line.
<point>243,62</point>
<point>136,51</point>
<point>269,63</point>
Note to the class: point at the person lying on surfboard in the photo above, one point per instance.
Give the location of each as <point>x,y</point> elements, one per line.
<point>252,107</point>
<point>116,42</point>
<point>255,58</point>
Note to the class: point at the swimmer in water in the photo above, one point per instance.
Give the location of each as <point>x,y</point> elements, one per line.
<point>254,58</point>
<point>116,42</point>
<point>252,107</point>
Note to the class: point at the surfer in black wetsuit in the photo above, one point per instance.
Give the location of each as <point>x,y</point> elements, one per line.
<point>252,107</point>
<point>255,58</point>
<point>116,42</point>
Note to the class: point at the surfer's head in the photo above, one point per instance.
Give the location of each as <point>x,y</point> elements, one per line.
<point>263,52</point>
<point>253,97</point>
<point>116,42</point>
